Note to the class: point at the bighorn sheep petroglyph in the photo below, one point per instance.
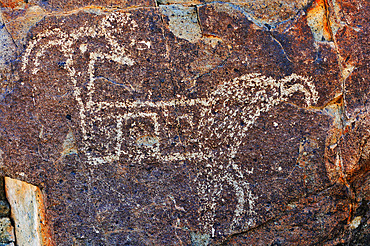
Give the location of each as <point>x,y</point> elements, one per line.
<point>138,130</point>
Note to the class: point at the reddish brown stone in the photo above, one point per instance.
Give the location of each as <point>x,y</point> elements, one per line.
<point>238,134</point>
<point>353,46</point>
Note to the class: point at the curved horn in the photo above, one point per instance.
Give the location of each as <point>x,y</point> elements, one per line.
<point>307,87</point>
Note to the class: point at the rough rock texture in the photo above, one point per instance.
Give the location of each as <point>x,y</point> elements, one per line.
<point>6,232</point>
<point>7,237</point>
<point>193,123</point>
<point>27,213</point>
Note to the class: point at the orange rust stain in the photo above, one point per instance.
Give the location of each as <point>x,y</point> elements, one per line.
<point>46,233</point>
<point>320,9</point>
<point>336,101</point>
<point>328,33</point>
<point>11,3</point>
<point>22,188</point>
<point>211,36</point>
<point>343,181</point>
<point>350,214</point>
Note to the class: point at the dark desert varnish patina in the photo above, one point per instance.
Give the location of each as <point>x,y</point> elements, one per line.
<point>193,124</point>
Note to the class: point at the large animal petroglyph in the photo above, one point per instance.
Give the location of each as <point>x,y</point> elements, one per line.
<point>136,130</point>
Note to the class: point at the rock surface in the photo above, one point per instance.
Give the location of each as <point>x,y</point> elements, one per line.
<point>190,123</point>
<point>6,231</point>
<point>28,214</point>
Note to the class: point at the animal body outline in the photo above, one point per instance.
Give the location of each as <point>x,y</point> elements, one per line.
<point>251,94</point>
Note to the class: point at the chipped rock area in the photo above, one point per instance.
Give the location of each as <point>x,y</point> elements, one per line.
<point>7,234</point>
<point>27,213</point>
<point>189,122</point>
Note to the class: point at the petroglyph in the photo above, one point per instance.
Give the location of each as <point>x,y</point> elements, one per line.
<point>211,129</point>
